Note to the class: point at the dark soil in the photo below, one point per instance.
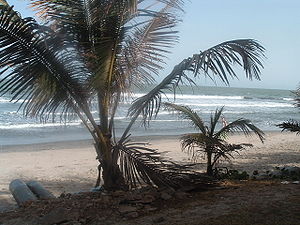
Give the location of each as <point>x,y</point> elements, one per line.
<point>232,203</point>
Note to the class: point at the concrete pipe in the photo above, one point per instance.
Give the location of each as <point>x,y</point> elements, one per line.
<point>21,192</point>
<point>39,190</point>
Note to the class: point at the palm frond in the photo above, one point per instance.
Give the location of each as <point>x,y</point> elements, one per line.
<point>149,105</point>
<point>90,14</point>
<point>215,119</point>
<point>240,125</point>
<point>140,164</point>
<point>70,18</point>
<point>38,72</point>
<point>187,113</point>
<point>291,125</point>
<point>3,2</point>
<point>173,3</point>
<point>296,94</point>
<point>225,151</point>
<point>92,26</point>
<point>194,144</point>
<point>146,46</point>
<point>216,61</point>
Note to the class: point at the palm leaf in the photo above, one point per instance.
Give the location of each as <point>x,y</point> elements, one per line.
<point>219,59</point>
<point>146,46</point>
<point>225,151</point>
<point>291,125</point>
<point>187,113</point>
<point>70,18</point>
<point>93,26</point>
<point>194,144</point>
<point>297,97</point>
<point>140,164</point>
<point>216,61</point>
<point>240,125</point>
<point>39,76</point>
<point>214,120</point>
<point>149,105</point>
<point>3,2</point>
<point>173,3</point>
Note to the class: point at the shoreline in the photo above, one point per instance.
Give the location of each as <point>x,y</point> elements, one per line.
<point>83,142</point>
<point>72,166</point>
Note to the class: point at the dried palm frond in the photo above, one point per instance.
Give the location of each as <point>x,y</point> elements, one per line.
<point>141,165</point>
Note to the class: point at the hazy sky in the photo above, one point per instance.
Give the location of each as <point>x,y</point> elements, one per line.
<point>274,23</point>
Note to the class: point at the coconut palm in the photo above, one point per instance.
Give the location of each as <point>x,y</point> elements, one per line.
<point>292,125</point>
<point>210,141</point>
<point>100,50</point>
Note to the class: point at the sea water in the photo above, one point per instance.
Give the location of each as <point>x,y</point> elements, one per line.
<point>264,107</point>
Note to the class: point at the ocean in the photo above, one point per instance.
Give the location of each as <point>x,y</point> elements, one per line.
<point>264,107</point>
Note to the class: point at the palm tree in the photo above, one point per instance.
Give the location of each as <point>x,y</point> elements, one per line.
<point>100,50</point>
<point>208,140</point>
<point>292,125</point>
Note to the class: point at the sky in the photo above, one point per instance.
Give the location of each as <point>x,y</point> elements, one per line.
<point>274,23</point>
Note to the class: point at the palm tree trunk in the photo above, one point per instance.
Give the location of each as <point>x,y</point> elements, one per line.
<point>112,177</point>
<point>209,169</point>
<point>103,113</point>
<point>111,173</point>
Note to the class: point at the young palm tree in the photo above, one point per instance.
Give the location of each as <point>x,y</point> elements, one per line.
<point>99,50</point>
<point>208,140</point>
<point>292,125</point>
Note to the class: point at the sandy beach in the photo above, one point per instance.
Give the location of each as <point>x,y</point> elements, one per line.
<point>71,166</point>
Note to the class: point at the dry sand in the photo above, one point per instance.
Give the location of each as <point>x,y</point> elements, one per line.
<point>71,166</point>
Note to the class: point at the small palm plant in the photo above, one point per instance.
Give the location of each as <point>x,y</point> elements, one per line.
<point>208,140</point>
<point>292,125</point>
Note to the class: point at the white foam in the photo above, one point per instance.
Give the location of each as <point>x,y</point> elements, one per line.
<point>120,117</point>
<point>288,99</point>
<point>175,120</point>
<point>37,125</point>
<point>4,100</point>
<point>184,96</point>
<point>238,105</point>
<point>12,113</point>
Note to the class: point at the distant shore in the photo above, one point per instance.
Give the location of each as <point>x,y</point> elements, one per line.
<point>71,166</point>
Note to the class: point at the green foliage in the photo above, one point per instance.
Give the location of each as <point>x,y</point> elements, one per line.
<point>210,142</point>
<point>292,125</point>
<point>215,62</point>
<point>102,50</point>
<point>222,173</point>
<point>287,174</point>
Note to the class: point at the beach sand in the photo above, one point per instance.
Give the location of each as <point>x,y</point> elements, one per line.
<point>71,166</point>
